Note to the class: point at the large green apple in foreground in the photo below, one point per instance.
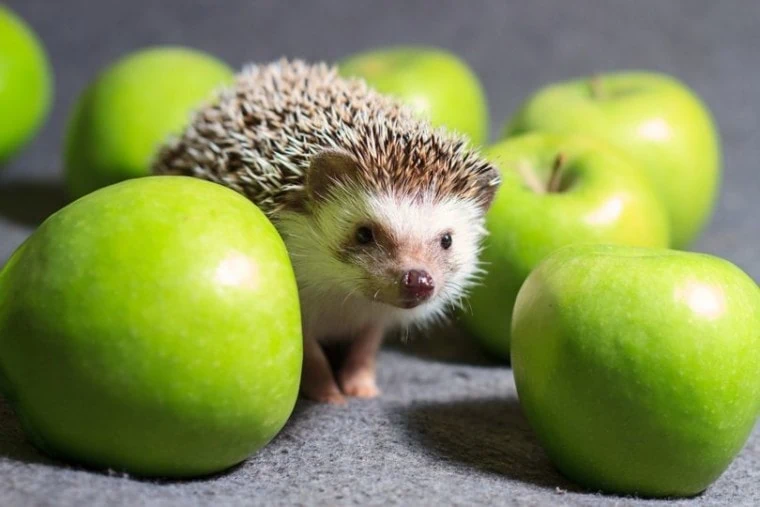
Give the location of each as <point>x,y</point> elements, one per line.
<point>153,327</point>
<point>658,120</point>
<point>26,83</point>
<point>638,368</point>
<point>130,109</point>
<point>435,83</point>
<point>597,195</point>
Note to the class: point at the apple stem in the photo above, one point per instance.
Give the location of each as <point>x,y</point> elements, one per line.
<point>530,178</point>
<point>595,85</point>
<point>555,178</point>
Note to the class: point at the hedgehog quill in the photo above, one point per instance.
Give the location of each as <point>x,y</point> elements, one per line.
<point>383,216</point>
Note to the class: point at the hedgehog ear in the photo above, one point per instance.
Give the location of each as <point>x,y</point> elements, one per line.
<point>490,183</point>
<point>328,168</point>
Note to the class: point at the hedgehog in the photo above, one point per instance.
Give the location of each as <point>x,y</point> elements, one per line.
<point>382,214</point>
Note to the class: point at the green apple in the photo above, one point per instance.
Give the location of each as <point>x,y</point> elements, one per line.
<point>596,195</point>
<point>435,83</point>
<point>638,368</point>
<point>130,109</point>
<point>657,119</point>
<point>26,84</point>
<point>152,326</point>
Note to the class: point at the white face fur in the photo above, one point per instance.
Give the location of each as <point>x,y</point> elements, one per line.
<point>347,282</point>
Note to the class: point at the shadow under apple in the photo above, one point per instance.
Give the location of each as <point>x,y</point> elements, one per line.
<point>488,435</point>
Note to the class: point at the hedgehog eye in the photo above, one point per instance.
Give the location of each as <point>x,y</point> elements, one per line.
<point>364,235</point>
<point>446,241</point>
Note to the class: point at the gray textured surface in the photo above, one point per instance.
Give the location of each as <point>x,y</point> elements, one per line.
<point>448,429</point>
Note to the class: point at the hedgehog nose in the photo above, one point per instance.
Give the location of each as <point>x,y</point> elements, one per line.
<point>416,286</point>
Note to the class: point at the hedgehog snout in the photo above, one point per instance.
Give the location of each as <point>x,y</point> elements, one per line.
<point>416,287</point>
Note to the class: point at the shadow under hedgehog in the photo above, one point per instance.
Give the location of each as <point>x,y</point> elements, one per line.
<point>383,216</point>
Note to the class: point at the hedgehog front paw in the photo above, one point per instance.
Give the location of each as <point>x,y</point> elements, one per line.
<point>317,380</point>
<point>323,394</point>
<point>359,383</point>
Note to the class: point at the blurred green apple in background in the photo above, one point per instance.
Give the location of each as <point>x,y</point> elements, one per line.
<point>132,106</point>
<point>152,327</point>
<point>638,368</point>
<point>26,84</point>
<point>556,190</point>
<point>657,120</point>
<point>435,83</point>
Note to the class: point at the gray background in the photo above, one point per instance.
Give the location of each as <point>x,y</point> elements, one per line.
<point>448,429</point>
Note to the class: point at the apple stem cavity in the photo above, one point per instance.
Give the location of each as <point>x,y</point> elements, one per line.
<point>555,178</point>
<point>534,183</point>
